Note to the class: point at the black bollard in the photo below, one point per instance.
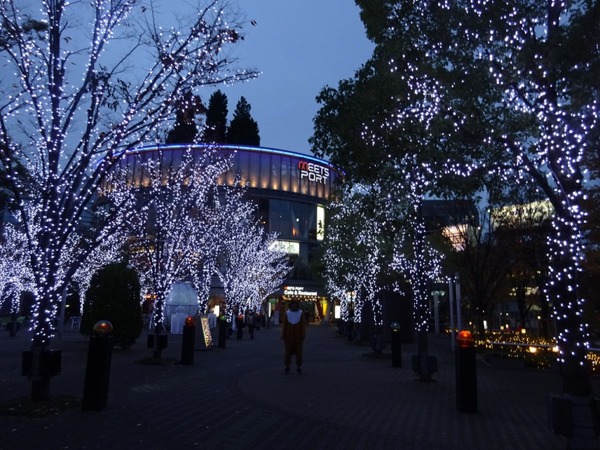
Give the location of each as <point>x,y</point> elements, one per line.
<point>187,343</point>
<point>97,372</point>
<point>466,373</point>
<point>222,331</point>
<point>396,345</point>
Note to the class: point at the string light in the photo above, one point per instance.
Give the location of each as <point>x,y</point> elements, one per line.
<point>66,105</point>
<point>536,118</point>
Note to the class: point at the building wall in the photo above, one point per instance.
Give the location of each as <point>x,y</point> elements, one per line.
<point>261,169</point>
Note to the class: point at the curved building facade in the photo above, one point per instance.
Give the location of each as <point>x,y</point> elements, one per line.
<point>291,191</point>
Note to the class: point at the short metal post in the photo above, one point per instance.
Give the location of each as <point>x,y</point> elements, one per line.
<point>396,345</point>
<point>466,373</point>
<point>187,343</point>
<point>97,373</point>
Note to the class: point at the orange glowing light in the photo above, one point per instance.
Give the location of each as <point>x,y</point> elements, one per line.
<point>465,339</point>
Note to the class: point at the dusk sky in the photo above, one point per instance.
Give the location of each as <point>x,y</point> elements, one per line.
<point>299,46</point>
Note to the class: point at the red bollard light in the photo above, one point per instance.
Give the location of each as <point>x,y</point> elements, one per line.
<point>187,343</point>
<point>465,339</point>
<point>466,373</point>
<point>97,372</point>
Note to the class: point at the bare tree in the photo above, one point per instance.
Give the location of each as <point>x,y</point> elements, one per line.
<point>81,82</point>
<point>249,265</point>
<point>169,226</point>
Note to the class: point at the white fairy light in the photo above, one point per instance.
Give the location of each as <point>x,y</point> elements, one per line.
<point>69,102</point>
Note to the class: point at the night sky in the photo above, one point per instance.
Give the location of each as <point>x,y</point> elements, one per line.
<point>299,46</point>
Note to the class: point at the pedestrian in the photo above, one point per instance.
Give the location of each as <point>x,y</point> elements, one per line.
<point>293,333</point>
<point>250,323</point>
<point>239,325</point>
<point>212,320</point>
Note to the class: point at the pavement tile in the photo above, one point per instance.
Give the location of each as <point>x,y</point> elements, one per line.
<point>239,398</point>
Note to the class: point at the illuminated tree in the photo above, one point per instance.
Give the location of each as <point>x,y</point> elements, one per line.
<point>355,254</point>
<point>168,227</point>
<point>249,264</point>
<point>82,81</point>
<point>415,258</point>
<point>109,250</point>
<point>15,272</point>
<point>515,88</point>
<point>267,271</point>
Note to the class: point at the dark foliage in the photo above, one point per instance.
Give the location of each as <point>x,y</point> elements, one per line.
<point>114,295</point>
<point>243,129</point>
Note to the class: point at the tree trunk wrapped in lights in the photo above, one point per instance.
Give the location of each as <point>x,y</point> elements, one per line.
<point>514,95</point>
<point>70,104</point>
<point>353,258</point>
<point>171,223</point>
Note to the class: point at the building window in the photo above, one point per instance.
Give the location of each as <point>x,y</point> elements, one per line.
<point>285,173</point>
<point>265,171</point>
<point>275,172</point>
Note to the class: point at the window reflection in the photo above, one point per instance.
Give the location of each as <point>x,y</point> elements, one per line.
<point>285,173</point>
<point>294,176</point>
<point>265,171</point>
<point>254,170</point>
<point>275,172</point>
<point>243,168</point>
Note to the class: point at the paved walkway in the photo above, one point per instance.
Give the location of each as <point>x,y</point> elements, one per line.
<point>240,398</point>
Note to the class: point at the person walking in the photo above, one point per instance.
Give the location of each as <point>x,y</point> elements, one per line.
<point>212,320</point>
<point>293,332</point>
<point>250,322</point>
<point>239,325</point>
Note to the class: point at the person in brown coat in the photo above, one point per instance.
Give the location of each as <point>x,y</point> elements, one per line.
<point>293,333</point>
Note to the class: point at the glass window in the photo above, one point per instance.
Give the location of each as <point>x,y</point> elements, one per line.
<point>294,176</point>
<point>254,169</point>
<point>320,188</point>
<point>279,218</point>
<point>303,221</point>
<point>285,173</point>
<point>265,170</point>
<point>232,173</point>
<point>145,177</point>
<point>166,168</point>
<point>304,185</point>
<point>312,188</point>
<point>244,159</point>
<point>327,185</point>
<point>275,172</point>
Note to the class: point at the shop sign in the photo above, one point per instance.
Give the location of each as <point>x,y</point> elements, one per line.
<point>298,291</point>
<point>313,172</point>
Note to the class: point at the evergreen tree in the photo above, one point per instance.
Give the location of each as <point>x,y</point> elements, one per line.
<point>216,119</point>
<point>503,84</point>
<point>243,129</point>
<point>185,129</point>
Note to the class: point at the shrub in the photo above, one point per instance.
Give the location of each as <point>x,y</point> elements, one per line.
<point>114,295</point>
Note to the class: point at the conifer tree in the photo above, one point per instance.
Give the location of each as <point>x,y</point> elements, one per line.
<point>215,130</point>
<point>243,129</point>
<point>185,129</point>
